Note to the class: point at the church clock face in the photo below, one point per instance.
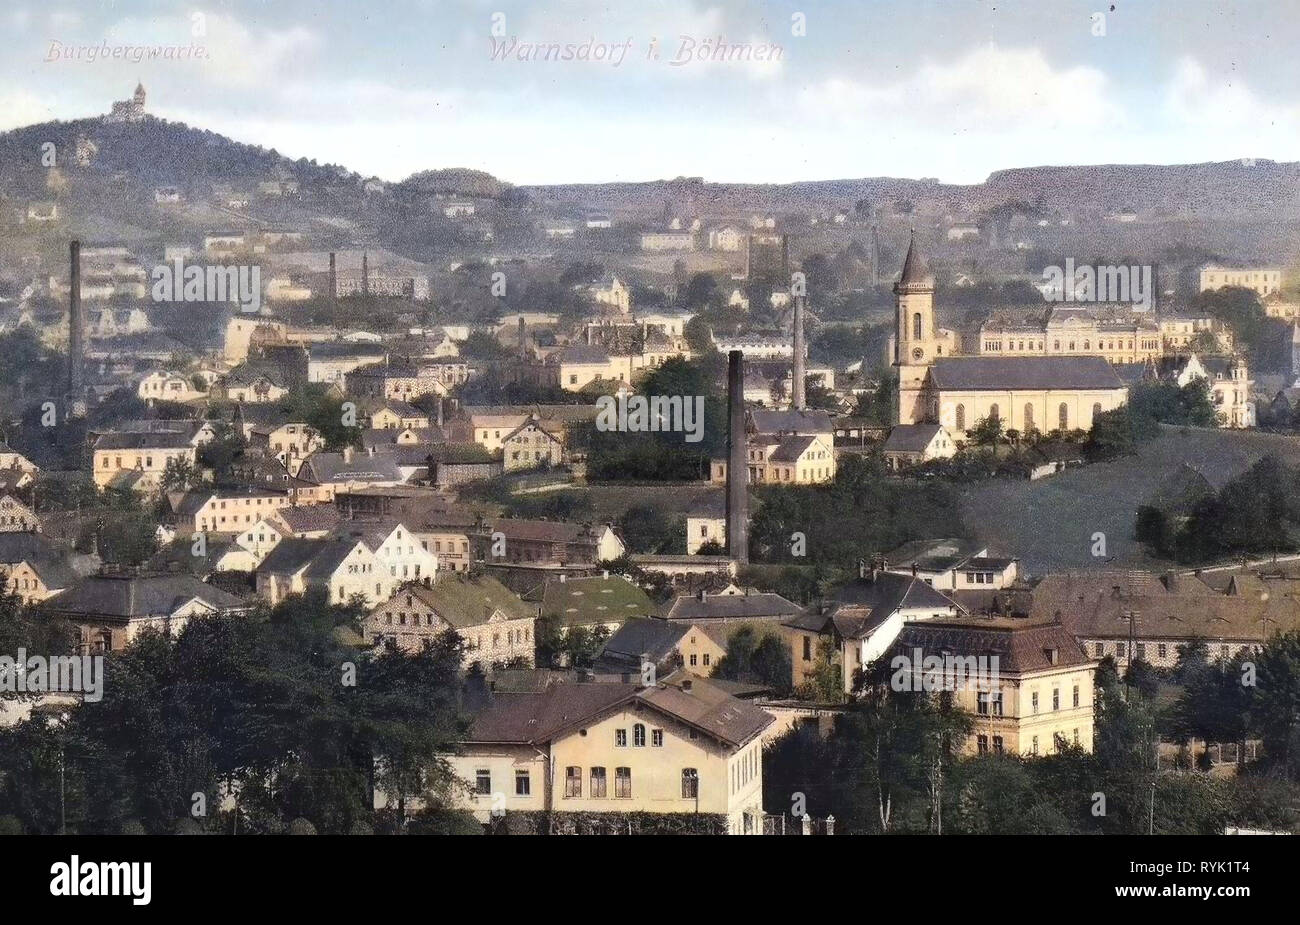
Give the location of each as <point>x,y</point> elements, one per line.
<point>917,353</point>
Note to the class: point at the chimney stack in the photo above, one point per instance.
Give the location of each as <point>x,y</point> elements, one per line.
<point>737,465</point>
<point>365,275</point>
<point>76,335</point>
<point>334,279</point>
<point>523,340</point>
<point>799,373</point>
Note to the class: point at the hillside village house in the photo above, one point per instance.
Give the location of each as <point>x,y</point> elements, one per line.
<point>952,565</point>
<point>681,746</point>
<point>348,470</point>
<point>397,549</point>
<point>1228,381</point>
<point>547,542</point>
<point>861,620</point>
<point>225,510</point>
<point>611,291</point>
<point>168,386</point>
<point>1041,699</point>
<point>398,414</point>
<point>531,446</point>
<point>706,522</point>
<point>665,645</point>
<point>579,365</point>
<point>253,384</point>
<point>32,567</point>
<point>109,610</point>
<point>339,567</point>
<point>405,381</point>
<point>330,362</point>
<point>914,444</point>
<point>12,459</point>
<point>732,606</point>
<point>138,460</point>
<point>16,517</point>
<point>496,626</point>
<point>250,547</point>
<point>797,447</point>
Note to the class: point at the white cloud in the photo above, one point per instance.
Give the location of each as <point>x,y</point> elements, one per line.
<point>988,88</point>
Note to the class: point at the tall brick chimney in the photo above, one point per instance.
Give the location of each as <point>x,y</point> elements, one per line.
<point>737,465</point>
<point>523,340</point>
<point>799,373</point>
<point>76,336</point>
<point>334,279</point>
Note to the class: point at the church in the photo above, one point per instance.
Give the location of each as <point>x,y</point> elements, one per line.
<point>936,385</point>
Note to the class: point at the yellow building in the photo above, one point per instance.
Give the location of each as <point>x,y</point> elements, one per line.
<point>802,460</point>
<point>138,460</point>
<point>531,446</point>
<point>1263,280</point>
<point>680,746</point>
<point>1027,683</point>
<point>1073,332</point>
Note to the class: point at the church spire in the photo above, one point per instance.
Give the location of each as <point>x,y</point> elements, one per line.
<point>916,274</point>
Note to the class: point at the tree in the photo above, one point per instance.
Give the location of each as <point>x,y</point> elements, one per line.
<point>987,431</point>
<point>756,660</point>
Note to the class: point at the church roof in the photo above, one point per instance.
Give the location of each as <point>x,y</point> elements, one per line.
<point>915,271</point>
<point>999,374</point>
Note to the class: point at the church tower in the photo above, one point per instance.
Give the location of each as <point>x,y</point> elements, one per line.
<point>916,341</point>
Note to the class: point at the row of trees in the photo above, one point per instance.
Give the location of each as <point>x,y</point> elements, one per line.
<point>272,711</point>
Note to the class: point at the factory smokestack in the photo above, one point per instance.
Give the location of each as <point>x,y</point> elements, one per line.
<point>523,340</point>
<point>76,336</point>
<point>365,275</point>
<point>334,279</point>
<point>799,373</point>
<point>737,466</point>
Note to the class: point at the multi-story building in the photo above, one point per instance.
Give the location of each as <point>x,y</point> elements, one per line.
<point>1027,683</point>
<point>138,460</point>
<point>680,746</point>
<point>1263,280</point>
<point>495,625</point>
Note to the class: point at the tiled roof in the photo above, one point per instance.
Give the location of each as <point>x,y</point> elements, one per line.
<point>1001,374</point>
<point>585,601</point>
<point>139,595</point>
<point>753,606</point>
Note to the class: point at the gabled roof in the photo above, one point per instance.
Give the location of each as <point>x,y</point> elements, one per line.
<point>757,605</point>
<point>653,638</point>
<point>911,438</point>
<point>585,601</point>
<point>139,595</point>
<point>464,601</point>
<point>538,717</point>
<point>49,562</point>
<point>1001,374</point>
<point>792,421</point>
<point>158,440</point>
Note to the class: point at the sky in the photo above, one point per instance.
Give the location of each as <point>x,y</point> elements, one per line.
<point>803,90</point>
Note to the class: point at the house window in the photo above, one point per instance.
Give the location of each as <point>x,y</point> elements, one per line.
<point>1033,702</point>
<point>1076,695</point>
<point>483,781</point>
<point>620,738</point>
<point>916,326</point>
<point>656,738</point>
<point>807,648</point>
<point>1056,698</point>
<point>690,784</point>
<point>997,745</point>
<point>523,786</point>
<point>623,783</point>
<point>693,659</point>
<point>638,736</point>
<point>572,782</point>
<point>1099,649</point>
<point>598,783</point>
<point>982,743</point>
<point>1063,416</point>
<point>1034,747</point>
